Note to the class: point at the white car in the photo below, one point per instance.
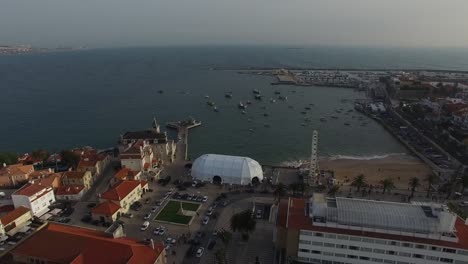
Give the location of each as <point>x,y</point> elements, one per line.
<point>144,226</point>
<point>200,252</point>
<point>206,220</point>
<point>209,212</point>
<point>194,184</point>
<point>205,198</point>
<point>162,231</point>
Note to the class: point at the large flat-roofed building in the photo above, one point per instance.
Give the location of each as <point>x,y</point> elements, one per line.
<point>57,243</point>
<point>355,231</point>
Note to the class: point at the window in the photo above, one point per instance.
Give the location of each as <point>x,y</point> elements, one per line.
<point>419,256</point>
<point>449,250</point>
<point>420,246</point>
<point>435,248</point>
<point>393,243</point>
<point>329,245</point>
<point>330,236</point>
<point>304,242</point>
<point>391,252</point>
<point>315,252</point>
<point>304,250</point>
<point>364,258</point>
<point>340,255</point>
<point>463,252</point>
<point>389,261</point>
<point>408,245</point>
<point>318,234</point>
<point>377,260</point>
<point>307,233</point>
<point>366,249</point>
<point>404,254</point>
<point>446,260</point>
<point>382,242</point>
<point>378,250</point>
<point>353,248</point>
<point>342,237</point>
<point>317,243</point>
<point>352,256</point>
<point>355,238</point>
<point>432,258</point>
<point>341,246</point>
<point>368,240</point>
<point>327,253</point>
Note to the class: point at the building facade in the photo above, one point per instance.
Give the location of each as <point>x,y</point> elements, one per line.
<point>125,193</point>
<point>12,175</point>
<point>354,231</point>
<point>70,192</point>
<point>78,178</point>
<point>14,221</point>
<point>35,197</point>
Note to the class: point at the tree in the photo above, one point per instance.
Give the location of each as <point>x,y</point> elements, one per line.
<point>387,185</point>
<point>359,182</point>
<point>8,158</point>
<point>333,190</point>
<point>464,183</point>
<point>70,158</point>
<point>280,191</point>
<point>243,222</point>
<point>40,154</point>
<point>413,184</point>
<point>430,179</point>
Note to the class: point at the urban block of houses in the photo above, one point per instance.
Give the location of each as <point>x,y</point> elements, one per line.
<point>53,180</point>
<point>60,244</point>
<point>95,163</point>
<point>123,194</point>
<point>12,175</point>
<point>78,178</point>
<point>70,192</point>
<point>14,221</point>
<point>37,198</point>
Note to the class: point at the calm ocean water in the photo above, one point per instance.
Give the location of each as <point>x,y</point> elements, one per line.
<point>68,99</point>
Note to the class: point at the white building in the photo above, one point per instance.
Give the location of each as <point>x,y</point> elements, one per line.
<point>355,231</point>
<point>70,192</point>
<point>226,169</point>
<point>35,197</point>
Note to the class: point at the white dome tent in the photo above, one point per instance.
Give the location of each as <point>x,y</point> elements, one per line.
<point>226,169</point>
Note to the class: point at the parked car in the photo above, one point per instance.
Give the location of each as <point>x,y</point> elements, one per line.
<point>194,183</point>
<point>215,233</point>
<point>211,244</point>
<point>91,205</point>
<point>162,231</point>
<point>200,252</point>
<point>206,220</point>
<point>199,199</point>
<point>86,219</point>
<point>199,234</point>
<point>154,209</point>
<point>259,214</point>
<point>158,203</point>
<point>147,200</point>
<point>209,212</point>
<point>147,216</point>
<point>144,226</point>
<point>205,198</point>
<point>156,231</point>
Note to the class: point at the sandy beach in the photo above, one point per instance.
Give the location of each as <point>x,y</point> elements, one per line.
<point>400,168</point>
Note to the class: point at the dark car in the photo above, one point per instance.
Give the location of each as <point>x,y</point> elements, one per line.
<point>91,205</point>
<point>211,244</point>
<point>86,219</point>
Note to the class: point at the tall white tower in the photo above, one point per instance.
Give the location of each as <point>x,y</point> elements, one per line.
<point>314,166</point>
<point>156,125</point>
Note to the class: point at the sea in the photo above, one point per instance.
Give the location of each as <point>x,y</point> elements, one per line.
<point>60,100</point>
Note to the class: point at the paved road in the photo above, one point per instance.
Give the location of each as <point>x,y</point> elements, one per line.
<point>102,182</point>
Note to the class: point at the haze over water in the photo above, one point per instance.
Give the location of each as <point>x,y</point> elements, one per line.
<point>59,100</point>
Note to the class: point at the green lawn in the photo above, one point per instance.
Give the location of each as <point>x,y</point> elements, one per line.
<point>169,212</point>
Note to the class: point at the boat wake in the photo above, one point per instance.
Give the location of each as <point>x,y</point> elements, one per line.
<point>372,157</point>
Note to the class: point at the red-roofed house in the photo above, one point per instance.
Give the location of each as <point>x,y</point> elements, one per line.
<point>14,221</point>
<point>53,180</point>
<point>70,192</point>
<point>125,174</point>
<point>64,244</point>
<point>78,178</point>
<point>106,212</point>
<point>125,193</point>
<point>346,230</point>
<point>37,198</point>
<point>12,175</point>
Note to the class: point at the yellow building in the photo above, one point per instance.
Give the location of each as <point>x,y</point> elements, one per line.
<point>14,221</point>
<point>125,193</point>
<point>78,178</point>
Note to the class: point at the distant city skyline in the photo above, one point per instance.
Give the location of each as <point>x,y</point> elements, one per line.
<point>117,23</point>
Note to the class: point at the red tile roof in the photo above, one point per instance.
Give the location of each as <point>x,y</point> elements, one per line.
<point>125,173</point>
<point>74,174</point>
<point>121,190</point>
<point>15,169</point>
<point>48,181</point>
<point>85,246</point>
<point>69,189</point>
<point>105,208</point>
<point>29,189</point>
<point>13,215</point>
<point>296,219</point>
<point>87,162</point>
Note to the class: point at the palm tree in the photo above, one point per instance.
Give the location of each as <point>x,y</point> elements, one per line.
<point>387,185</point>
<point>333,190</point>
<point>413,184</point>
<point>430,179</point>
<point>243,222</point>
<point>280,191</point>
<point>359,182</point>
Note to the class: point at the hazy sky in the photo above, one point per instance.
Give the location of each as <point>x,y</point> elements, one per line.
<point>103,23</point>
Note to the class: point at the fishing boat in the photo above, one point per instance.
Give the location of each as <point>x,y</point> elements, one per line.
<point>307,108</point>
<point>207,96</point>
<point>303,124</point>
<point>251,130</point>
<point>277,92</point>
<point>256,91</point>
<point>258,97</point>
<point>272,100</point>
<point>249,103</point>
<point>334,117</point>
<point>160,91</point>
<point>215,109</point>
<point>303,113</point>
<point>244,112</point>
<point>311,104</point>
<point>347,124</point>
<point>241,105</point>
<point>283,98</point>
<point>323,119</point>
<point>228,95</point>
<point>265,114</point>
<point>210,103</point>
